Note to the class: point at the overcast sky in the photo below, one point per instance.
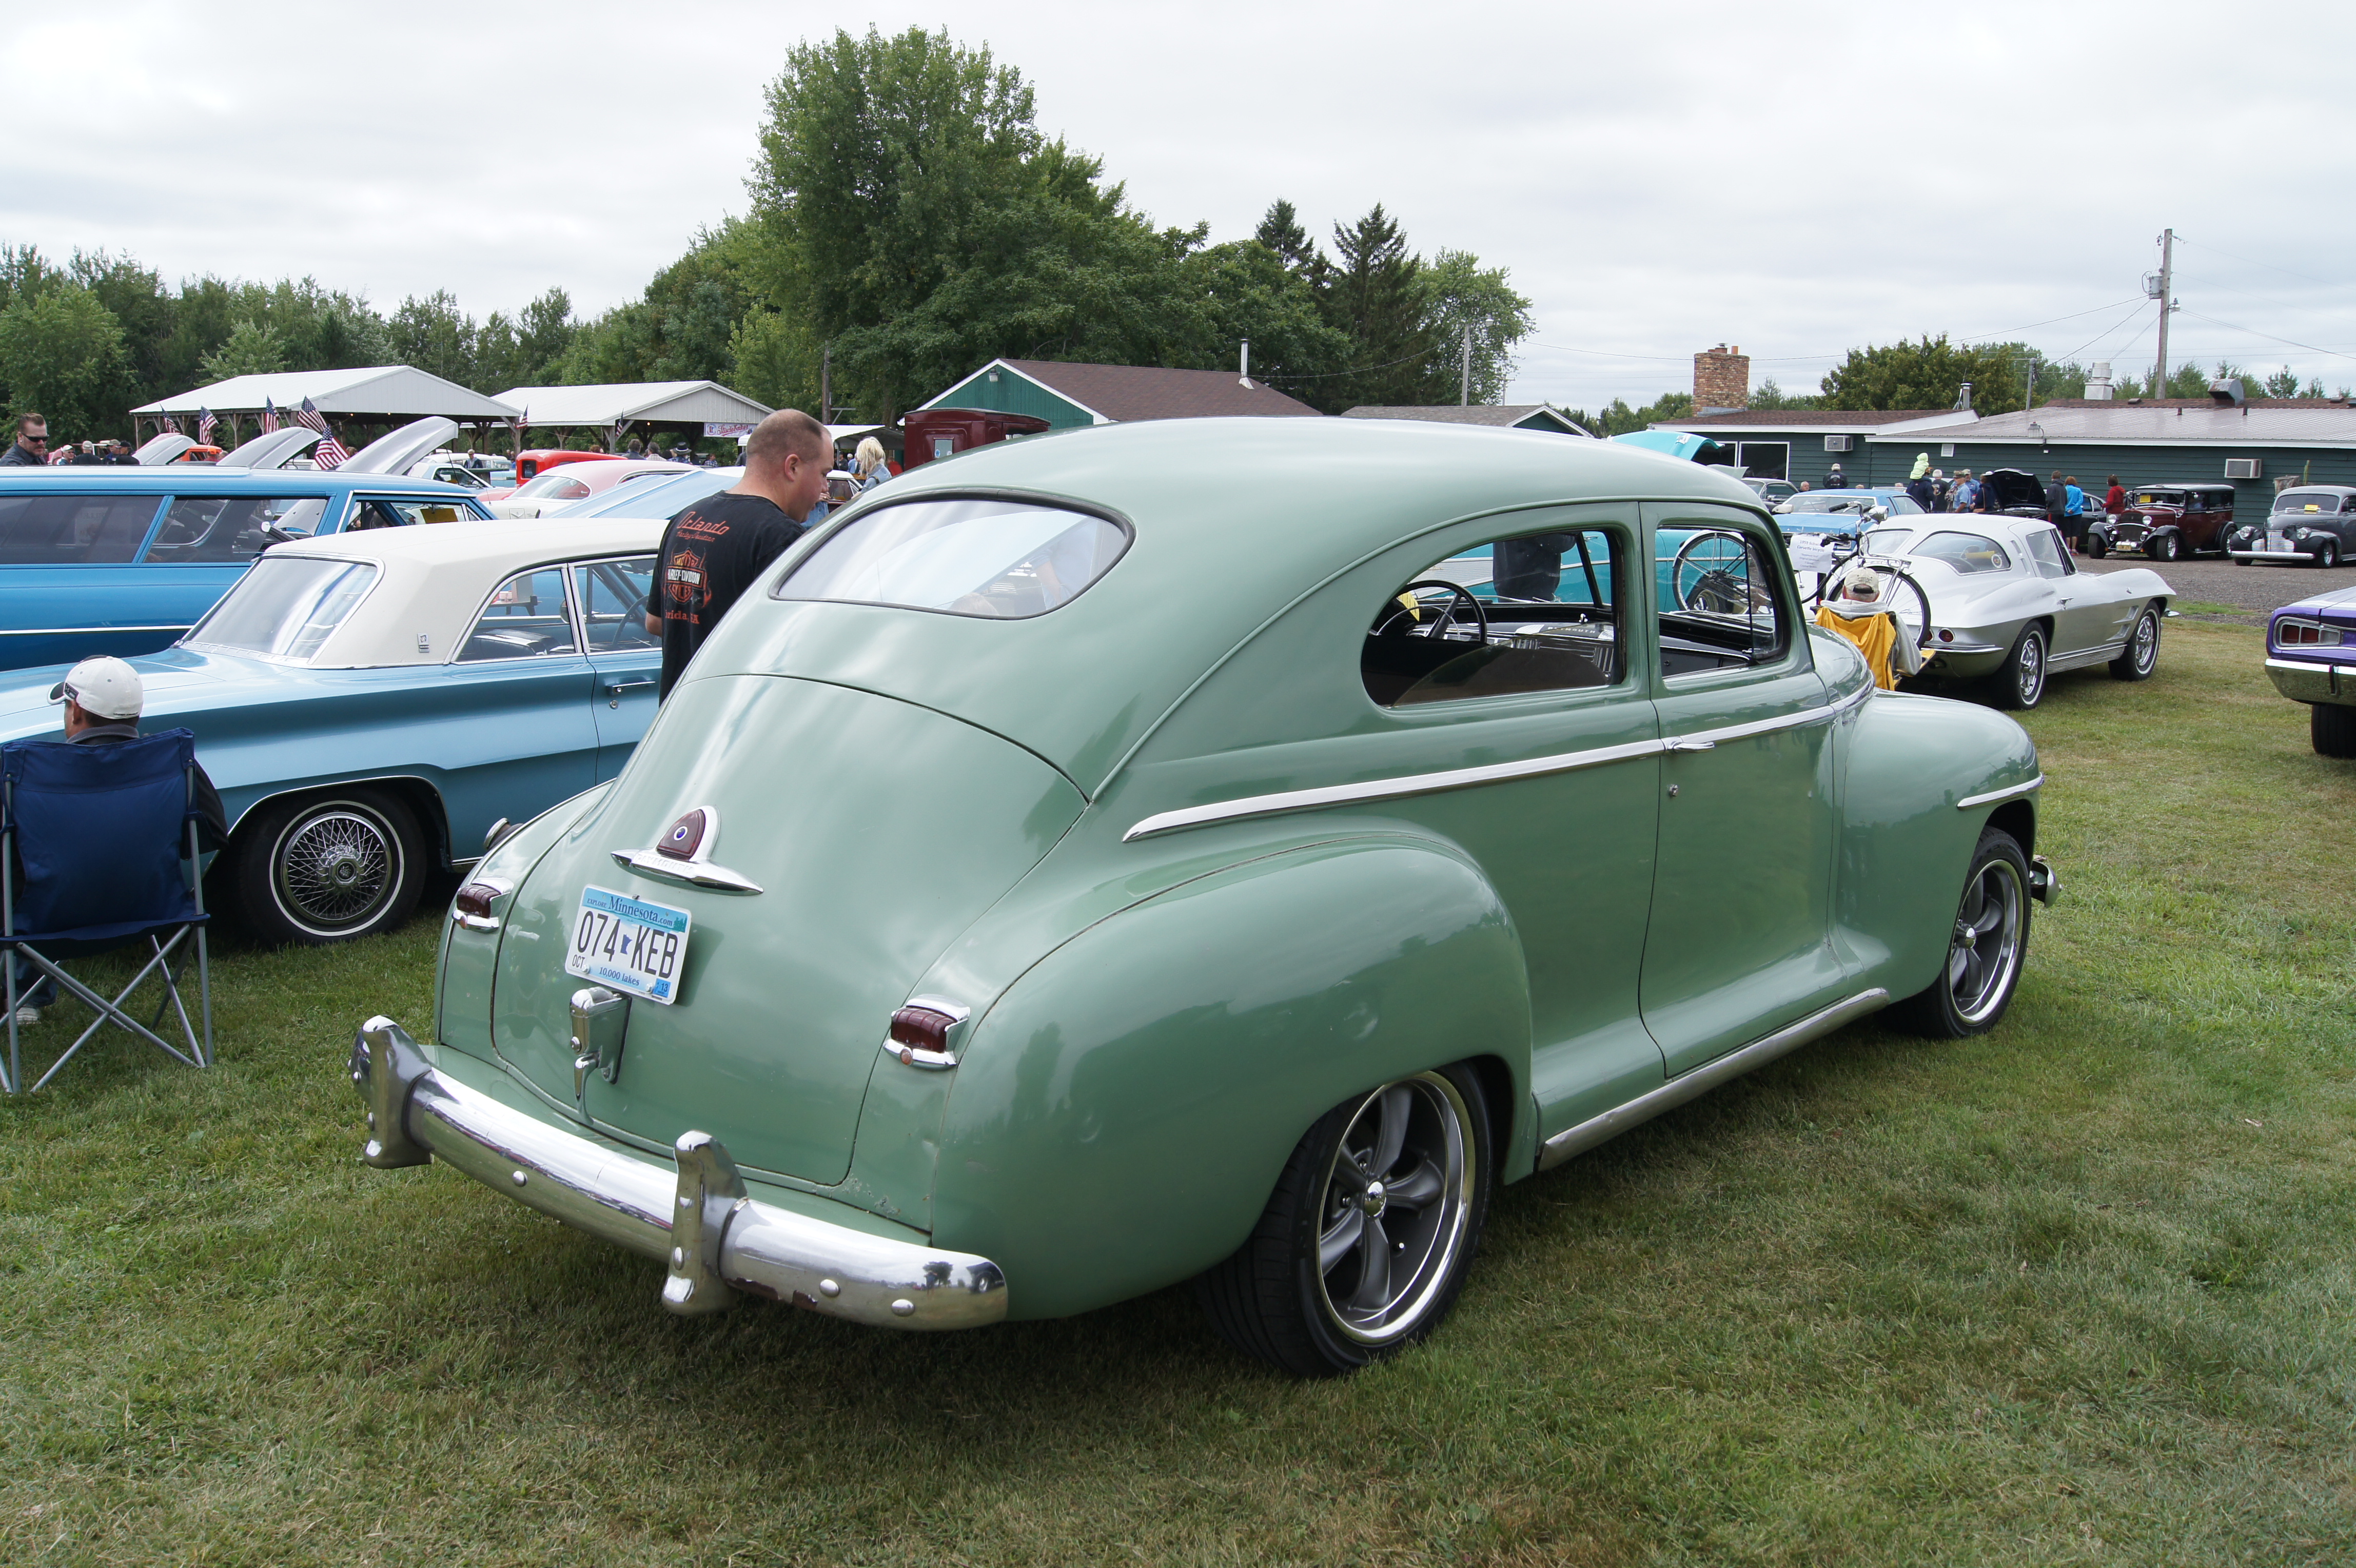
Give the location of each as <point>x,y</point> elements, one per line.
<point>1795,179</point>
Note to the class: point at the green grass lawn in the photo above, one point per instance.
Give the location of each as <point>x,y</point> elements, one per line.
<point>2079,1290</point>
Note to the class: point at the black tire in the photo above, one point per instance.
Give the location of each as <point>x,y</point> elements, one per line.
<point>2020,682</point>
<point>1277,1299</point>
<point>2097,547</point>
<point>2140,657</point>
<point>2327,553</point>
<point>329,867</point>
<point>2161,547</point>
<point>1974,987</point>
<point>2332,729</point>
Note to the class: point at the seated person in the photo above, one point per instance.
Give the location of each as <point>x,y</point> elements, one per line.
<point>103,697</point>
<point>1862,608</point>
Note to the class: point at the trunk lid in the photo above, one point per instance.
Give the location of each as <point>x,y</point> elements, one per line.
<point>878,831</point>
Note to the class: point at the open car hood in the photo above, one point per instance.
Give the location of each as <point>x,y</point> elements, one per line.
<point>272,451</point>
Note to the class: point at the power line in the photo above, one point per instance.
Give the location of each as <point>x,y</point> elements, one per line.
<point>2286,272</point>
<point>2107,331</point>
<point>1360,371</point>
<point>2269,337</point>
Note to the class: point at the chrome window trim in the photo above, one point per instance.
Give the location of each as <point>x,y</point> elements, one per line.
<point>1491,773</point>
<point>563,569</point>
<point>1993,796</point>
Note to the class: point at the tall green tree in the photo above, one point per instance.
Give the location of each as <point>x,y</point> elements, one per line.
<point>435,336</point>
<point>252,350</point>
<point>1374,294</point>
<point>61,354</point>
<point>1928,373</point>
<point>1460,298</point>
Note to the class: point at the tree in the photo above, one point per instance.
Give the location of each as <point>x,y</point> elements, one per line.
<point>1457,296</point>
<point>435,336</point>
<point>1768,395</point>
<point>1928,374</point>
<point>1616,418</point>
<point>1281,232</point>
<point>252,350</point>
<point>141,305</point>
<point>1373,293</point>
<point>2282,383</point>
<point>61,355</point>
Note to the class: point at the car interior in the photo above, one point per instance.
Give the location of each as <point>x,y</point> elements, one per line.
<point>1535,612</point>
<point>1723,611</point>
<point>527,619</point>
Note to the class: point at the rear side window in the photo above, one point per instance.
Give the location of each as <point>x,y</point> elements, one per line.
<point>69,529</point>
<point>993,559</point>
<point>379,511</point>
<point>226,528</point>
<point>527,619</point>
<point>1532,612</point>
<point>285,608</point>
<point>614,603</point>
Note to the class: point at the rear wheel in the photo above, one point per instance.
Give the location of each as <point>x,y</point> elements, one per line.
<point>2332,728</point>
<point>1365,1241</point>
<point>329,867</point>
<point>2021,684</point>
<point>1985,948</point>
<point>2140,657</point>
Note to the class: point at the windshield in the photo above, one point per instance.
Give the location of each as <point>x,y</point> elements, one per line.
<point>2307,501</point>
<point>1003,560</point>
<point>1886,540</point>
<point>1967,553</point>
<point>1820,500</point>
<point>2158,497</point>
<point>284,608</point>
<point>663,499</point>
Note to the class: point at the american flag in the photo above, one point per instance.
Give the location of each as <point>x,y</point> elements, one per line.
<point>167,426</point>
<point>329,453</point>
<point>206,424</point>
<point>269,416</point>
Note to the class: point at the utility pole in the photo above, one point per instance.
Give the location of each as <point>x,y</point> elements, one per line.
<point>2167,305</point>
<point>1465,384</point>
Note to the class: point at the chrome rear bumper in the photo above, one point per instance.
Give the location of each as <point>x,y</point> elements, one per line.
<point>697,1218</point>
<point>2303,682</point>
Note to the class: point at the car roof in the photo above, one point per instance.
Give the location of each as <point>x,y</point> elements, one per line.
<point>2302,490</point>
<point>434,578</point>
<point>1235,521</point>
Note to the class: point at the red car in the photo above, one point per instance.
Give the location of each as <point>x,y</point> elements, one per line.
<point>2167,521</point>
<point>560,485</point>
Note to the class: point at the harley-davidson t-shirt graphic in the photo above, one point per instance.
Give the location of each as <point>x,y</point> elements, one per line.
<point>710,553</point>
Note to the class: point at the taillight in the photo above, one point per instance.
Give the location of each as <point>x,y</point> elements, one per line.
<point>2305,634</point>
<point>476,898</point>
<point>920,1033</point>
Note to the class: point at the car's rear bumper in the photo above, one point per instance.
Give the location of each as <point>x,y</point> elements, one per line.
<point>695,1217</point>
<point>2304,681</point>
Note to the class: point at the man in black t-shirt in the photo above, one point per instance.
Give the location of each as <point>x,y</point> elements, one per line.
<point>713,549</point>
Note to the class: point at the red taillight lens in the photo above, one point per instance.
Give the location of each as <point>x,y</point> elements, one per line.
<point>476,898</point>
<point>921,1028</point>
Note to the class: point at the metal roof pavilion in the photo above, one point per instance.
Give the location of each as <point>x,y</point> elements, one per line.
<point>631,402</point>
<point>374,392</point>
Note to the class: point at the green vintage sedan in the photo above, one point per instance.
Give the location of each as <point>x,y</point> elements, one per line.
<point>1207,848</point>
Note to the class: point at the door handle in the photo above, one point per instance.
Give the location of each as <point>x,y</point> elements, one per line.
<point>613,689</point>
<point>1682,744</point>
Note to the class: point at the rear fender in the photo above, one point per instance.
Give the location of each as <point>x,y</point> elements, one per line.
<point>1119,1117</point>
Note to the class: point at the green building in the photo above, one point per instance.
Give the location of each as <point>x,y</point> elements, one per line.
<point>1069,395</point>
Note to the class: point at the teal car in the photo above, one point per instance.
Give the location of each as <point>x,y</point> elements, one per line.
<point>1136,858</point>
<point>371,703</point>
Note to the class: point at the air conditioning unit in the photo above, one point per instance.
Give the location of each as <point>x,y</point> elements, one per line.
<point>1839,443</point>
<point>2246,467</point>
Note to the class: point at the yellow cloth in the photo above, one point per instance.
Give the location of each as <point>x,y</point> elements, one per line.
<point>1875,636</point>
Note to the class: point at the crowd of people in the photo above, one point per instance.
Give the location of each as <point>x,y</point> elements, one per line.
<point>2068,507</point>
<point>31,448</point>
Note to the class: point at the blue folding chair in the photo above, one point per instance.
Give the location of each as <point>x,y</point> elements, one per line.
<point>92,845</point>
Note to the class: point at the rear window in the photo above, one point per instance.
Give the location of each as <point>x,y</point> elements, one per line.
<point>558,486</point>
<point>995,559</point>
<point>285,608</point>
<point>1967,553</point>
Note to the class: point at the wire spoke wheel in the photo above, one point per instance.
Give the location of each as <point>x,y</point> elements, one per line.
<point>1396,1200</point>
<point>336,868</point>
<point>330,868</point>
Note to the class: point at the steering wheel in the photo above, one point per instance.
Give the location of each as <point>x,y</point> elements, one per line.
<point>1458,596</point>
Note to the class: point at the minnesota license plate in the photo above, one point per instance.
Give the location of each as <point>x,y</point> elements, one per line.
<point>629,944</point>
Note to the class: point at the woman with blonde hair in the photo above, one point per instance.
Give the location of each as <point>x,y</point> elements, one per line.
<point>867,465</point>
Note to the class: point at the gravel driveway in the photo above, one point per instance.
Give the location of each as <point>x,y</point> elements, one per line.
<point>2254,591</point>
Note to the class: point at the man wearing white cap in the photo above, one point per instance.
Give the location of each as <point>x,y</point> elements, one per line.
<point>103,697</point>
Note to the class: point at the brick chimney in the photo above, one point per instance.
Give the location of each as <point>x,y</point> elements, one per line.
<point>1721,379</point>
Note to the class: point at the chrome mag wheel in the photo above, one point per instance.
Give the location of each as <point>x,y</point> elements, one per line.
<point>1397,1202</point>
<point>1984,954</point>
<point>336,867</point>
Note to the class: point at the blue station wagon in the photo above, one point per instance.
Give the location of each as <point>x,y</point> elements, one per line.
<point>124,561</point>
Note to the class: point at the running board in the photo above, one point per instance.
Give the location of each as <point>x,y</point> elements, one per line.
<point>1702,1080</point>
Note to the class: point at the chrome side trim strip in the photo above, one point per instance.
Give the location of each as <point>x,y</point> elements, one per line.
<point>1386,788</point>
<point>83,631</point>
<point>1993,796</point>
<point>1702,1080</point>
<point>416,1115</point>
<point>1462,777</point>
